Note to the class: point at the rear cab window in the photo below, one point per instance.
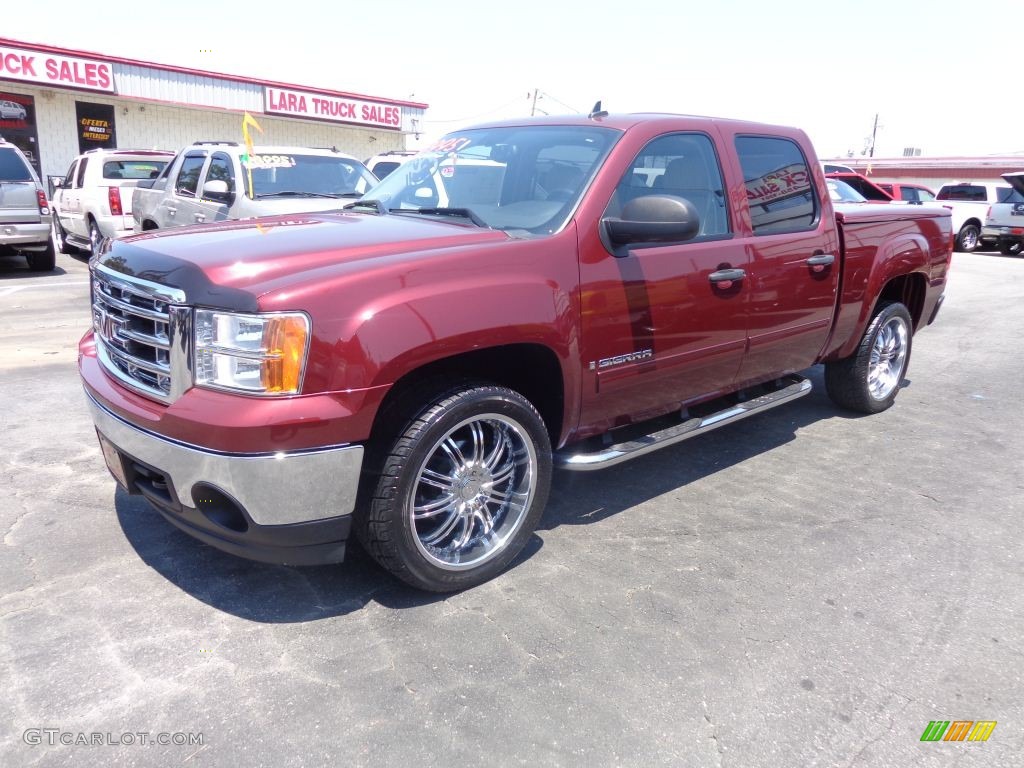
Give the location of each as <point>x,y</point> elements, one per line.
<point>1008,195</point>
<point>780,190</point>
<point>968,192</point>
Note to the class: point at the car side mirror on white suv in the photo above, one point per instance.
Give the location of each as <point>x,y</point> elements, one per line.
<point>217,189</point>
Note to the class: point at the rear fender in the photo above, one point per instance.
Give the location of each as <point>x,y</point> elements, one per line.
<point>903,255</point>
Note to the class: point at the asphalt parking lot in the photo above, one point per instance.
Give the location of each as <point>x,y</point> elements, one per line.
<point>805,588</point>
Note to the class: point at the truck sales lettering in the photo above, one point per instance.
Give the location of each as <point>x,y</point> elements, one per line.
<point>34,67</point>
<point>332,108</point>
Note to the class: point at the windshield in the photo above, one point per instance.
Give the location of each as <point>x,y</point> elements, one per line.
<point>524,180</point>
<point>305,175</point>
<point>841,192</point>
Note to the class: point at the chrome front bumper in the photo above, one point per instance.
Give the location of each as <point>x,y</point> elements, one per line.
<point>271,488</point>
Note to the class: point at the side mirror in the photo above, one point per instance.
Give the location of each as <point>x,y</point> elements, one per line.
<point>57,183</point>
<point>217,190</point>
<point>653,219</point>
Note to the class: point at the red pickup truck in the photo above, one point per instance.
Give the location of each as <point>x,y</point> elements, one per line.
<point>556,292</point>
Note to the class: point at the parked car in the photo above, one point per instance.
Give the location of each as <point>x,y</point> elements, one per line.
<point>829,167</point>
<point>871,191</point>
<point>216,181</point>
<point>1004,222</point>
<point>25,217</point>
<point>383,164</point>
<point>437,348</point>
<point>94,200</point>
<point>12,110</point>
<point>969,202</point>
<point>908,193</point>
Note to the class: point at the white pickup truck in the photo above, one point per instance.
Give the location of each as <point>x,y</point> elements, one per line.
<point>214,181</point>
<point>1004,224</point>
<point>969,202</point>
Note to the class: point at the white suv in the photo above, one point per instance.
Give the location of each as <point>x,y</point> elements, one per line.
<point>24,210</point>
<point>383,164</point>
<point>94,200</point>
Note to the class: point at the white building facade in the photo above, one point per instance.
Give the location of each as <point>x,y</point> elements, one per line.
<point>56,103</point>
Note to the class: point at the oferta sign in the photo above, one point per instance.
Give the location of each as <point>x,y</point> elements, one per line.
<point>338,109</point>
<point>27,66</point>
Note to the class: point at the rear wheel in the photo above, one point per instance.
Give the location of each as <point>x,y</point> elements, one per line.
<point>869,380</point>
<point>42,261</point>
<point>967,238</point>
<point>461,490</point>
<point>1010,249</point>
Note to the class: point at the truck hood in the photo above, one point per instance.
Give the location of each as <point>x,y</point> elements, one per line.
<point>1015,180</point>
<point>229,265</point>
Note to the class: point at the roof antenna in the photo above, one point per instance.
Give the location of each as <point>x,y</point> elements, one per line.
<point>596,113</point>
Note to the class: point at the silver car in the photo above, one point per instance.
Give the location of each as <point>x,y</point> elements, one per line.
<point>25,217</point>
<point>12,110</point>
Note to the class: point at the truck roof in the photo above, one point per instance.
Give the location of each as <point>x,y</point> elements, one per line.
<point>624,122</point>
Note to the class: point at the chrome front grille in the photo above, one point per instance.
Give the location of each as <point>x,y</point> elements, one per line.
<point>137,324</point>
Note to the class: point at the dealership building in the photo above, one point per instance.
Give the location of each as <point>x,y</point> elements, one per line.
<point>56,103</point>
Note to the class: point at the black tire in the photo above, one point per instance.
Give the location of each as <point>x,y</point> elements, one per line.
<point>967,238</point>
<point>61,237</point>
<point>386,526</point>
<point>849,381</point>
<point>1010,249</point>
<point>42,261</point>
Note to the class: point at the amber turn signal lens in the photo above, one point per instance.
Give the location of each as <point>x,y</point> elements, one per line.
<point>284,342</point>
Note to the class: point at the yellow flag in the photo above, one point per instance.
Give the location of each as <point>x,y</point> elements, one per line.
<point>247,122</point>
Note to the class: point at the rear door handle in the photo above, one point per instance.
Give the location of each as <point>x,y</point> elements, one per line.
<point>200,217</point>
<point>821,260</point>
<point>723,276</point>
<point>172,211</point>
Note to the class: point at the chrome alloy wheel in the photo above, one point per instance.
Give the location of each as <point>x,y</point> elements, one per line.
<point>888,358</point>
<point>472,492</point>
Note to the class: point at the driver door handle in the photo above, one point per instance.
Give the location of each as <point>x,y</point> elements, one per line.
<point>200,217</point>
<point>821,260</point>
<point>727,276</point>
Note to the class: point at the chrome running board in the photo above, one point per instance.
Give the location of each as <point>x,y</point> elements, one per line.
<point>788,388</point>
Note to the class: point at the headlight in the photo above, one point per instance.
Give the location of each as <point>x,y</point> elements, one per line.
<point>259,354</point>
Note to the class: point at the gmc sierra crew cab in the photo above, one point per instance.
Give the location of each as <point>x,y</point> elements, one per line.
<point>551,292</point>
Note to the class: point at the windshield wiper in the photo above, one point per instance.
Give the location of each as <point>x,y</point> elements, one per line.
<point>293,193</point>
<point>462,213</point>
<point>375,205</point>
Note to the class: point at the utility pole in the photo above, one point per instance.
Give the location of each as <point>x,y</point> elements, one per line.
<point>533,108</point>
<point>874,134</point>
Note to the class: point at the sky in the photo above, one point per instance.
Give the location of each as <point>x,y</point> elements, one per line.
<point>935,72</point>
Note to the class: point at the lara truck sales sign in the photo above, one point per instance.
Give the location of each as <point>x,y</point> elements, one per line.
<point>280,101</point>
<point>51,69</point>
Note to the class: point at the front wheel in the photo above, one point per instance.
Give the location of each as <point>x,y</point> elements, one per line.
<point>461,489</point>
<point>967,238</point>
<point>868,380</point>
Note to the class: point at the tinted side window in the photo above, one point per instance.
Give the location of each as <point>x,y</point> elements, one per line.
<point>188,176</point>
<point>925,195</point>
<point>220,170</point>
<point>908,193</point>
<point>780,192</point>
<point>81,171</point>
<point>681,165</point>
